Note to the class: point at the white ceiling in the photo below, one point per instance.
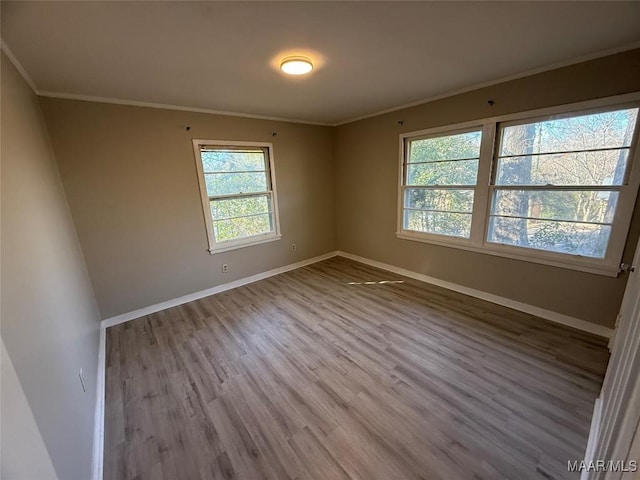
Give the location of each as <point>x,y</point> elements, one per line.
<point>370,56</point>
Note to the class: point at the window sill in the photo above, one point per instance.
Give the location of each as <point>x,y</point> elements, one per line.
<point>248,242</point>
<point>545,258</point>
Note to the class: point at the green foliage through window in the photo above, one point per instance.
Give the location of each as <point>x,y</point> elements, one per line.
<point>444,161</point>
<point>237,182</point>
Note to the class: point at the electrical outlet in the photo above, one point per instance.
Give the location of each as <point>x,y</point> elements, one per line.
<point>293,247</point>
<point>225,268</point>
<point>81,375</point>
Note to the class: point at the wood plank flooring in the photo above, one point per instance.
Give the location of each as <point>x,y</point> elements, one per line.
<point>343,371</point>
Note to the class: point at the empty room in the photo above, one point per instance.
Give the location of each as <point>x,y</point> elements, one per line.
<point>320,240</point>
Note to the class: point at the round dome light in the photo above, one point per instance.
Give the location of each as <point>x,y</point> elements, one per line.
<point>296,65</point>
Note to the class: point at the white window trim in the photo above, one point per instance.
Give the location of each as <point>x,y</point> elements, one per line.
<point>219,247</point>
<point>609,265</point>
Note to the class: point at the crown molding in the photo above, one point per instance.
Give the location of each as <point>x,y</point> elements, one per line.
<point>12,58</point>
<point>163,106</point>
<point>478,86</point>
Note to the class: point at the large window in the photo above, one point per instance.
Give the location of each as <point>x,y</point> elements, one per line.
<point>237,186</point>
<point>556,189</point>
<point>557,182</point>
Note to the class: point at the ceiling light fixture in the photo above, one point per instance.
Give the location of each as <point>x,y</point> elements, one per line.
<point>296,65</point>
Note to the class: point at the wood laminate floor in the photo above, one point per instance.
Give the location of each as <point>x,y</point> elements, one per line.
<point>342,371</point>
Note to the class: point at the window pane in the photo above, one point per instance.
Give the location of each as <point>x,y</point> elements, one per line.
<point>444,160</point>
<point>239,207</point>
<point>460,172</point>
<point>232,160</point>
<point>231,183</point>
<point>576,206</point>
<point>588,240</point>
<point>585,132</point>
<point>450,200</point>
<point>452,224</point>
<point>581,168</point>
<point>447,147</point>
<point>582,150</point>
<point>225,230</point>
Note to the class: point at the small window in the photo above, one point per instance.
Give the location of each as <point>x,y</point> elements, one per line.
<point>440,176</point>
<point>237,186</point>
<point>558,181</point>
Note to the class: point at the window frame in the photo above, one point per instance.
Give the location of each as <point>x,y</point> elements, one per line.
<point>405,173</point>
<point>483,193</point>
<point>225,246</point>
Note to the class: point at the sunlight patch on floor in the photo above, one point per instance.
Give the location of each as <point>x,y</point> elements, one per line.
<point>382,282</point>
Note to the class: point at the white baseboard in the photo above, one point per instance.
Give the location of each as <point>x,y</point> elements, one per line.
<point>98,429</point>
<point>506,302</point>
<point>594,431</point>
<point>125,317</point>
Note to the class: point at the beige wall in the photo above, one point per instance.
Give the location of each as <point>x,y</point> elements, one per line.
<point>131,182</point>
<point>366,156</point>
<point>49,317</point>
<point>22,450</point>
